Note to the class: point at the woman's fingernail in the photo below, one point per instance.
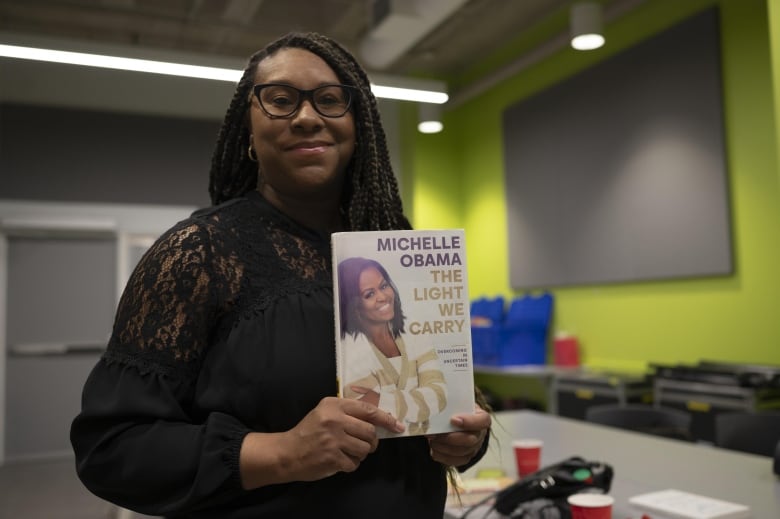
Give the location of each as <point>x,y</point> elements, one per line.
<point>400,427</point>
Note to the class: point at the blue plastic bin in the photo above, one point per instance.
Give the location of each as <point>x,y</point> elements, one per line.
<point>487,317</point>
<point>525,331</point>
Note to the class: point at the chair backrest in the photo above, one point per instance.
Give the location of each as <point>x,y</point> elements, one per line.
<point>756,433</point>
<point>658,421</point>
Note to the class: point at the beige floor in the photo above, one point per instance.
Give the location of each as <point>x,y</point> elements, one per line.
<point>51,490</point>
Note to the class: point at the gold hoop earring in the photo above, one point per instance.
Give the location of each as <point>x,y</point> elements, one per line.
<point>251,153</point>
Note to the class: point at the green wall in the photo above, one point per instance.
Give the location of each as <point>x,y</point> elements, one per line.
<point>456,180</point>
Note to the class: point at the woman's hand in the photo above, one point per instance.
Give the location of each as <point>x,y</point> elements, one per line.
<point>335,436</point>
<point>459,447</point>
<point>369,395</point>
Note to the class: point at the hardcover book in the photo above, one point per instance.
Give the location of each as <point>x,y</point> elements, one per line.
<point>403,334</point>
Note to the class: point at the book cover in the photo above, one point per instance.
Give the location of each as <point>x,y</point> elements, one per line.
<point>403,338</point>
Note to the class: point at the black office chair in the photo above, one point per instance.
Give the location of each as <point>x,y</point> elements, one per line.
<point>658,421</point>
<point>756,433</point>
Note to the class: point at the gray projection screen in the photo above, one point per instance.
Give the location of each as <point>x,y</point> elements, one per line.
<point>619,173</point>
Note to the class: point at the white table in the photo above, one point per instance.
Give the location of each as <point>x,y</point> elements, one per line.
<point>641,463</point>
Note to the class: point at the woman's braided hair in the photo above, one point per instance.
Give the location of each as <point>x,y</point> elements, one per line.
<point>371,200</point>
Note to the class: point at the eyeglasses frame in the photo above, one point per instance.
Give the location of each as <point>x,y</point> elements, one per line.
<point>303,95</point>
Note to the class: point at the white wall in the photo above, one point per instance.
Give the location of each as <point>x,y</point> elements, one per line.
<point>129,227</point>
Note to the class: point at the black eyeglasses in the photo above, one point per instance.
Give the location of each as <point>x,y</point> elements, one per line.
<point>279,100</point>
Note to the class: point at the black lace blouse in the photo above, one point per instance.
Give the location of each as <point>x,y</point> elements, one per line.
<point>226,327</point>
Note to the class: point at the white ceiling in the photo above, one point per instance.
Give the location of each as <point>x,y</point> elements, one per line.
<point>226,32</point>
<point>237,28</point>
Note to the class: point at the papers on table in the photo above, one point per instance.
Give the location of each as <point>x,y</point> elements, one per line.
<point>678,504</point>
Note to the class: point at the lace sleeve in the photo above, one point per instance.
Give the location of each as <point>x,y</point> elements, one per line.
<point>172,302</point>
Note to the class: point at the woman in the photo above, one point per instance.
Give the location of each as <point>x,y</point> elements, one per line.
<point>383,368</point>
<point>213,399</point>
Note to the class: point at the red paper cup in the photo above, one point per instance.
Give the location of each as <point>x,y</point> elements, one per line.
<point>527,455</point>
<point>590,506</point>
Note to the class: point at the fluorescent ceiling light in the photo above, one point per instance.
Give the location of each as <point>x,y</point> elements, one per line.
<point>194,71</point>
<point>115,62</point>
<point>409,94</point>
